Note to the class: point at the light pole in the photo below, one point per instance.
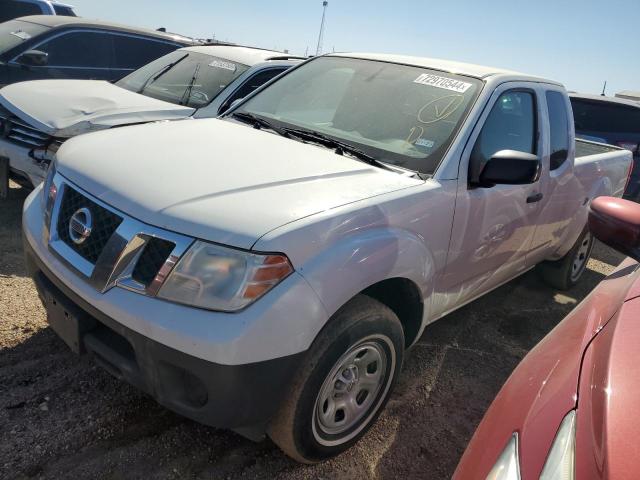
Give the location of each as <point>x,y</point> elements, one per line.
<point>321,34</point>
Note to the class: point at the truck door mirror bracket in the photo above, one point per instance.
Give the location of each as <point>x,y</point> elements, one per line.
<point>510,167</point>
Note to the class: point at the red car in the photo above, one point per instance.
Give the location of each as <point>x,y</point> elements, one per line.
<point>568,411</point>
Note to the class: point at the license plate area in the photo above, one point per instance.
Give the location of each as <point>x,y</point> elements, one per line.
<point>68,321</point>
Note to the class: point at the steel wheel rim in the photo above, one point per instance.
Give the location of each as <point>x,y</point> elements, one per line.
<point>581,257</point>
<point>352,388</point>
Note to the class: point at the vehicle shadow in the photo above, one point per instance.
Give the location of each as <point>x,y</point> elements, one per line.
<point>11,261</point>
<point>60,413</point>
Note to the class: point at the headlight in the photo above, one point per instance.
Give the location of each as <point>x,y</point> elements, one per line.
<point>49,193</point>
<point>220,278</point>
<point>507,467</point>
<point>560,464</point>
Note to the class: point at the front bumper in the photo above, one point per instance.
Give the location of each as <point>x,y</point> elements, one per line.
<point>221,369</point>
<point>224,396</point>
<point>284,322</point>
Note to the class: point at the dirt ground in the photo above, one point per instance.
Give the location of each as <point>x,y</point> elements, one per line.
<point>63,417</point>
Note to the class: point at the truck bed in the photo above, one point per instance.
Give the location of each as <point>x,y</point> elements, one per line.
<point>584,148</point>
<point>602,169</point>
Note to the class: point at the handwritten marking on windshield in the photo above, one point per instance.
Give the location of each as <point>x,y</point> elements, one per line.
<point>414,130</point>
<point>439,109</point>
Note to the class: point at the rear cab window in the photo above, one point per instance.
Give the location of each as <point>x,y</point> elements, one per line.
<point>16,32</point>
<point>559,129</point>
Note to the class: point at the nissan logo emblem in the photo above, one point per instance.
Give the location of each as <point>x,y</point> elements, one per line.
<point>80,225</point>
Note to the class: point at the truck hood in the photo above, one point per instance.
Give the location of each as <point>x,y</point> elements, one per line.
<point>65,108</point>
<point>216,179</point>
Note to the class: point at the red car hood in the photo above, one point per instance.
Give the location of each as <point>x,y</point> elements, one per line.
<point>544,387</point>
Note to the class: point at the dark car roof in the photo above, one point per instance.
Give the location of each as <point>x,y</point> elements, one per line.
<point>604,99</point>
<point>55,21</point>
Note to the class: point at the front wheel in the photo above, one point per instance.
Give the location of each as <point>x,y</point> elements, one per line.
<point>566,272</point>
<point>347,377</point>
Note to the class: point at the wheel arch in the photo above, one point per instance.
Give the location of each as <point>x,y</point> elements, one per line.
<point>391,266</point>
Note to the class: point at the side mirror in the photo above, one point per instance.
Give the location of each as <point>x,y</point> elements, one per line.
<point>510,167</point>
<point>616,222</point>
<point>33,58</point>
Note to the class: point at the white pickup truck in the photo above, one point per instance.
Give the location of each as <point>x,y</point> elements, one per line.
<point>266,271</point>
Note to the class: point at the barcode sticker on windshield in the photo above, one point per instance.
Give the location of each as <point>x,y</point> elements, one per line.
<point>225,65</point>
<point>443,82</point>
<point>423,142</point>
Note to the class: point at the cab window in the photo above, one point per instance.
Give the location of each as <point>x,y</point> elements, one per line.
<point>511,125</point>
<point>559,124</point>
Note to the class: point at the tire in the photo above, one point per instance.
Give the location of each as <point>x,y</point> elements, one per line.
<point>566,272</point>
<point>314,422</point>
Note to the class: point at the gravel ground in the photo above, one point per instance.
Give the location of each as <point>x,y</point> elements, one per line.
<point>62,417</point>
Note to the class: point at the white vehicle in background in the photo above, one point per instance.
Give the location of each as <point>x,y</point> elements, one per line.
<point>10,9</point>
<point>199,82</point>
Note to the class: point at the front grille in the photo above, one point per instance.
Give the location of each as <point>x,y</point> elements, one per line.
<point>21,133</point>
<point>104,224</point>
<point>155,253</point>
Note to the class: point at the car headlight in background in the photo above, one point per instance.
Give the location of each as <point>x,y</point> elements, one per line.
<point>220,278</point>
<point>507,466</point>
<point>49,194</point>
<point>560,464</point>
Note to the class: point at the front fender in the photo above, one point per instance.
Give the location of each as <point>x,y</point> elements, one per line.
<point>345,269</point>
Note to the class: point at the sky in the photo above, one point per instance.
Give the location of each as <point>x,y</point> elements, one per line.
<point>580,43</point>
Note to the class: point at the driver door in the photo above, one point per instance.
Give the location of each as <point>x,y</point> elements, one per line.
<point>493,227</point>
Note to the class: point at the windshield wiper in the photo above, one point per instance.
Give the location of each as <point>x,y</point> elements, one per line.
<point>340,147</point>
<point>187,92</point>
<point>259,122</point>
<point>160,73</point>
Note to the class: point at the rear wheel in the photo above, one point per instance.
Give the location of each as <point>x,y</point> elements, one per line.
<point>348,375</point>
<point>566,272</point>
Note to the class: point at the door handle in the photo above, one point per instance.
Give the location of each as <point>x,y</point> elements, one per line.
<point>536,197</point>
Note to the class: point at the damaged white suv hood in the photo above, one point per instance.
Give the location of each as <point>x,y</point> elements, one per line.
<point>65,108</point>
<point>216,179</point>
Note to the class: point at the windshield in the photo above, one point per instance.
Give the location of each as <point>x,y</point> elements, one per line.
<point>194,80</point>
<point>15,32</point>
<point>402,115</point>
